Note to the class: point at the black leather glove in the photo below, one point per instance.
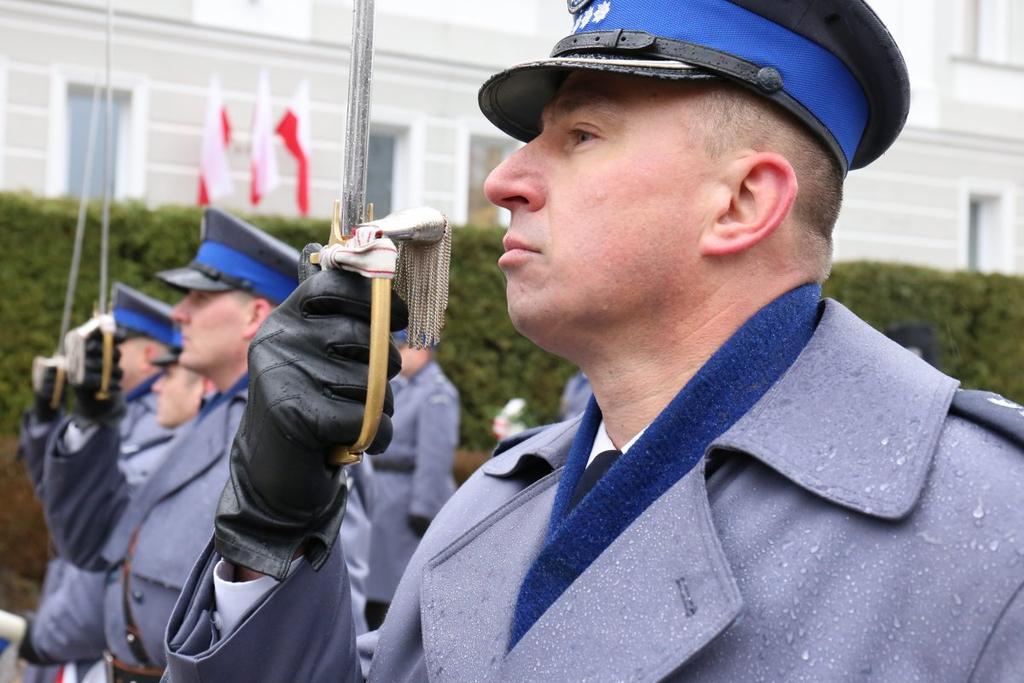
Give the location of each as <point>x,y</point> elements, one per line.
<point>88,409</point>
<point>27,650</point>
<point>41,407</point>
<point>307,386</point>
<point>418,524</point>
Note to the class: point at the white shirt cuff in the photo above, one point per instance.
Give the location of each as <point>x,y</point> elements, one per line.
<point>234,599</point>
<point>75,437</point>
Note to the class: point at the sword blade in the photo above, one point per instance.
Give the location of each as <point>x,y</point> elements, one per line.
<point>357,124</point>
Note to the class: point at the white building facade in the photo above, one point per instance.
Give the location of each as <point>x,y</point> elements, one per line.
<point>950,193</point>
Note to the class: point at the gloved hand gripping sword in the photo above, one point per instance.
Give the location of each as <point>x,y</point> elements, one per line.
<point>366,246</point>
<point>319,366</point>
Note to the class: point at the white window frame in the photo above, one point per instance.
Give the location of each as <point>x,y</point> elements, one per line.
<point>131,163</point>
<point>408,128</point>
<point>3,118</point>
<point>999,52</point>
<point>1003,192</point>
<point>467,130</point>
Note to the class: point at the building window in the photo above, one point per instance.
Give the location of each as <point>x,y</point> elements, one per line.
<point>380,172</point>
<point>484,156</point>
<point>984,234</point>
<point>79,112</point>
<point>985,29</point>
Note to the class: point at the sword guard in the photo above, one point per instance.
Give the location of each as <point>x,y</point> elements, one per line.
<point>74,351</point>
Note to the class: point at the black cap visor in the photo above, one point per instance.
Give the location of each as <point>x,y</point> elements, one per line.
<point>189,278</point>
<point>514,99</point>
<point>166,359</point>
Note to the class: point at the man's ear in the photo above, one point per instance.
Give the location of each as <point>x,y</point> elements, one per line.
<point>762,188</point>
<point>151,351</point>
<point>259,310</point>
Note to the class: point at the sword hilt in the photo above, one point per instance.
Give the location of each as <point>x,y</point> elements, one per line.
<point>74,351</point>
<point>108,366</point>
<point>41,366</point>
<point>420,226</point>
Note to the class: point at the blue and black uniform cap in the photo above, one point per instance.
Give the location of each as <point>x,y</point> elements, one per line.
<point>830,63</point>
<point>138,314</point>
<point>236,255</point>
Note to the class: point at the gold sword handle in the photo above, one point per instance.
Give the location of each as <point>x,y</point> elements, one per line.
<point>376,376</point>
<point>58,388</point>
<point>380,342</point>
<point>108,366</point>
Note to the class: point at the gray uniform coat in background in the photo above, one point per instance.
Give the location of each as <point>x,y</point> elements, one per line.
<point>68,625</point>
<point>414,475</point>
<point>848,527</point>
<point>143,441</point>
<point>173,512</point>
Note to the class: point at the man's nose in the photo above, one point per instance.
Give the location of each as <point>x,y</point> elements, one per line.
<point>516,182</point>
<point>179,313</point>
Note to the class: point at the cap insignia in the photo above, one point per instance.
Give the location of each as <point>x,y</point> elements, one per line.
<point>575,6</point>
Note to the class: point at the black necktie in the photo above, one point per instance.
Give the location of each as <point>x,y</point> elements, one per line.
<point>595,470</point>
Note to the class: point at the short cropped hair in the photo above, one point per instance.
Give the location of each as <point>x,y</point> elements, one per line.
<point>736,117</point>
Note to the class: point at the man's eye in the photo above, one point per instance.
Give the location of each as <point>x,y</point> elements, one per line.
<point>581,136</point>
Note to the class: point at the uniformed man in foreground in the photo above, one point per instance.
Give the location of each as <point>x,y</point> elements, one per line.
<point>413,477</point>
<point>764,488</point>
<point>68,626</point>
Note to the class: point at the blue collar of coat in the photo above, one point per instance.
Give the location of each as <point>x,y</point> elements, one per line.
<point>143,388</point>
<point>222,397</point>
<point>721,392</point>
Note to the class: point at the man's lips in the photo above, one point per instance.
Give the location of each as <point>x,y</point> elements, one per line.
<point>512,243</point>
<point>516,253</point>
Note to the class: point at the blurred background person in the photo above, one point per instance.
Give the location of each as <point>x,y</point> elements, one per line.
<point>179,391</point>
<point>575,396</point>
<point>414,475</point>
<point>65,637</point>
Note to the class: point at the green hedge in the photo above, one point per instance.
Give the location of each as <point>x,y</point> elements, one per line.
<point>980,317</point>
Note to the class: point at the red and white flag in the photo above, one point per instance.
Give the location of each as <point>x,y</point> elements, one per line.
<point>214,168</point>
<point>294,129</point>
<point>263,162</point>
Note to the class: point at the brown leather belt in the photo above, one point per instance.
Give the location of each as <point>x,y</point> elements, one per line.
<point>123,672</point>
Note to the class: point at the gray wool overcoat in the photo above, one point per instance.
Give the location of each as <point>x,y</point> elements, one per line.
<point>413,476</point>
<point>68,625</point>
<point>850,527</point>
<point>93,514</point>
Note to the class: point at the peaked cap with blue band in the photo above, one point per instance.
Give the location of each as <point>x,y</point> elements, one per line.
<point>136,313</point>
<point>830,63</point>
<point>236,255</point>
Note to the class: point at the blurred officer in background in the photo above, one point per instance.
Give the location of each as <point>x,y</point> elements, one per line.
<point>413,476</point>
<point>68,626</point>
<point>179,391</point>
<point>575,396</point>
<point>763,487</point>
<point>143,537</point>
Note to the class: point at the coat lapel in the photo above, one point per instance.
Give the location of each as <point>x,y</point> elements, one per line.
<point>656,596</point>
<point>191,453</point>
<point>652,600</point>
<point>865,450</point>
